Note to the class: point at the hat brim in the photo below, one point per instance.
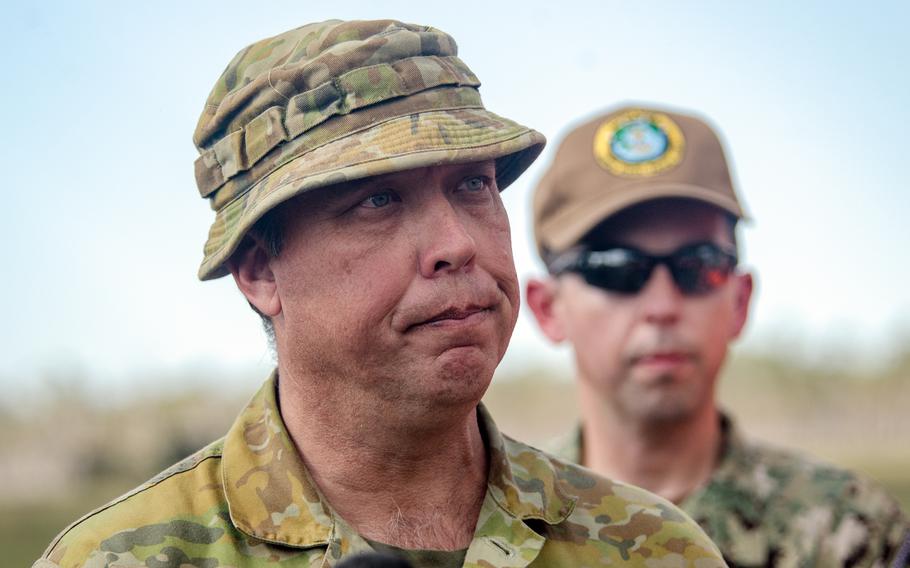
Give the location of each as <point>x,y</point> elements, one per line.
<point>407,142</point>
<point>572,223</point>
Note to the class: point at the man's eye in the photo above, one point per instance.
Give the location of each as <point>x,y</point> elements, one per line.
<point>380,199</point>
<point>476,183</point>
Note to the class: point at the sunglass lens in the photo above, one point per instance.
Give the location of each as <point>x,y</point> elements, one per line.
<point>700,269</point>
<point>625,277</point>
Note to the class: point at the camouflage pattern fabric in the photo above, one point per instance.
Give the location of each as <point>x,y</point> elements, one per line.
<point>903,555</point>
<point>765,506</point>
<point>247,500</point>
<point>336,101</point>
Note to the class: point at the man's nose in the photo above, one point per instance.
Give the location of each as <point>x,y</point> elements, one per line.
<point>446,244</point>
<point>661,299</point>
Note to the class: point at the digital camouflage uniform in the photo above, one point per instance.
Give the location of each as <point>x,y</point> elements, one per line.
<point>764,506</point>
<point>247,500</point>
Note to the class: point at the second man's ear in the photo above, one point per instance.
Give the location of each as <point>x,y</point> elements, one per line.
<point>745,284</point>
<point>541,296</point>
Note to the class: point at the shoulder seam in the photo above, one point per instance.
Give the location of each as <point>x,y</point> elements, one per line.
<point>116,501</point>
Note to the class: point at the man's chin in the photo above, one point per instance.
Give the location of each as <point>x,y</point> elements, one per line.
<point>458,376</point>
<point>464,368</point>
<point>660,403</point>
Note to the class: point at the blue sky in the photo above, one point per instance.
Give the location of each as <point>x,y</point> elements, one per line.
<point>104,229</point>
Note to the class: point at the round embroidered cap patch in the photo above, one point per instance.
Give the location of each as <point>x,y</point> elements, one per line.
<point>639,143</point>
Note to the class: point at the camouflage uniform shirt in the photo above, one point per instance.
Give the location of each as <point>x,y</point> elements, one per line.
<point>247,500</point>
<point>764,506</point>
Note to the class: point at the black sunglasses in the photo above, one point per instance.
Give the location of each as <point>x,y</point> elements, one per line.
<point>696,268</point>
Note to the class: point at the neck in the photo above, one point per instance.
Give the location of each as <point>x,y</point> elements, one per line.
<point>390,477</point>
<point>669,458</point>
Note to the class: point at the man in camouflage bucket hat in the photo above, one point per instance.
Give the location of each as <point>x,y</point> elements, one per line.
<point>355,177</point>
<point>635,219</point>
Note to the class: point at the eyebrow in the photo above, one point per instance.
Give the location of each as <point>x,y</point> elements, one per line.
<point>336,193</point>
<point>344,189</point>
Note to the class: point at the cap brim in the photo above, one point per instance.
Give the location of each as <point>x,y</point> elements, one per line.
<point>572,223</point>
<point>403,143</point>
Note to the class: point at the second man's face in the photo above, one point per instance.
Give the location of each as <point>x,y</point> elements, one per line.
<point>399,287</point>
<point>653,354</point>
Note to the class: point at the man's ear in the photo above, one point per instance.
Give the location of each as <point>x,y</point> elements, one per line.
<point>742,297</point>
<point>251,267</point>
<point>541,296</point>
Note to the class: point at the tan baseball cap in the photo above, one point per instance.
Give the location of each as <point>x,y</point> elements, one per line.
<point>622,158</point>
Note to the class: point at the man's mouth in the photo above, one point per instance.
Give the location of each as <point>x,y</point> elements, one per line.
<point>454,317</point>
<point>662,358</point>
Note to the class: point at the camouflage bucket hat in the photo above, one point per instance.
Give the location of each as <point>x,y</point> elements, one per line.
<point>338,101</point>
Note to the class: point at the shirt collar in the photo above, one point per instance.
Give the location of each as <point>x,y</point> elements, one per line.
<point>522,480</point>
<point>272,497</point>
<point>733,448</point>
<point>269,493</point>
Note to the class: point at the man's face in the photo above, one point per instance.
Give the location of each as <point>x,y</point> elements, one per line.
<point>399,287</point>
<point>655,354</point>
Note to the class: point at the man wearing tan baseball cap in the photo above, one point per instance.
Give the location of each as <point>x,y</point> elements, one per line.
<point>635,219</point>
